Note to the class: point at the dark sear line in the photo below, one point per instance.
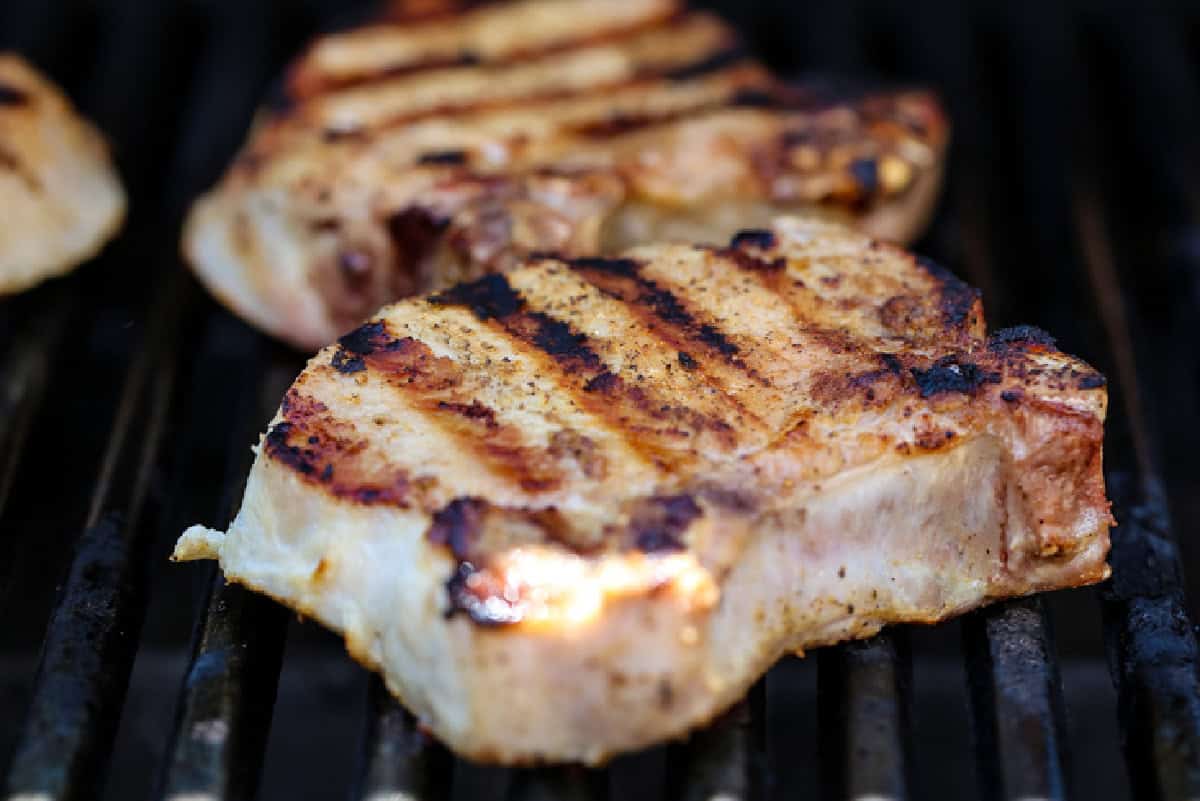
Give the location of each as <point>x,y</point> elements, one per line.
<point>325,451</point>
<point>664,314</point>
<point>747,93</point>
<point>649,424</point>
<point>957,300</point>
<point>743,95</point>
<point>12,96</point>
<point>435,385</point>
<point>747,250</point>
<point>306,83</point>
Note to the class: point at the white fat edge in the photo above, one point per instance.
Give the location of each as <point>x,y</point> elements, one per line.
<point>198,542</point>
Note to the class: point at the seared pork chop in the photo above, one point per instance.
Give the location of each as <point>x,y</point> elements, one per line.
<point>413,155</point>
<point>62,199</point>
<point>580,507</point>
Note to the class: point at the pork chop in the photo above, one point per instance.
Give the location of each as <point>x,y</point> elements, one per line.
<point>581,507</point>
<point>62,198</point>
<point>411,155</point>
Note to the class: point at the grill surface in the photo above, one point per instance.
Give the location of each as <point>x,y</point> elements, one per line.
<point>128,398</point>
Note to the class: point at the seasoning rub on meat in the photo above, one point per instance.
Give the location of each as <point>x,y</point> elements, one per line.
<point>580,507</point>
<point>410,154</point>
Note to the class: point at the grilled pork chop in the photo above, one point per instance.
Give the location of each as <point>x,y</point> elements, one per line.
<point>580,507</point>
<point>414,155</point>
<point>62,198</point>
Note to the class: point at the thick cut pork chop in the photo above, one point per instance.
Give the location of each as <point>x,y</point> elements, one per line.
<point>411,155</point>
<point>580,507</point>
<point>61,197</point>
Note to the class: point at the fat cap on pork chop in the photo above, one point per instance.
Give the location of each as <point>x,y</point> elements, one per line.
<point>62,198</point>
<point>581,507</point>
<point>411,155</point>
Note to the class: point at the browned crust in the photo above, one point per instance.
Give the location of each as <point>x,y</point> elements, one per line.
<point>945,366</point>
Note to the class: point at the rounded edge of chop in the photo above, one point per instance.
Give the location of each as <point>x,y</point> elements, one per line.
<point>63,198</point>
<point>644,668</point>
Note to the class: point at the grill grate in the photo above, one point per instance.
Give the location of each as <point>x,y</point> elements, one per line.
<point>128,398</point>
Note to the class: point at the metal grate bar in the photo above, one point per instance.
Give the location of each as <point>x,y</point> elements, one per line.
<point>1016,695</point>
<point>229,688</point>
<point>1151,640</point>
<point>228,699</point>
<point>401,760</point>
<point>26,368</point>
<point>93,633</point>
<point>1013,674</point>
<point>864,710</point>
<point>1152,647</point>
<point>724,760</point>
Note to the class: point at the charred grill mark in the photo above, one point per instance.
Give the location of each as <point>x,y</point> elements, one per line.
<point>623,267</point>
<point>605,382</point>
<point>347,364</point>
<point>708,64</point>
<point>1093,381</point>
<point>435,386</point>
<point>444,157</point>
<point>472,411</point>
<point>764,239</point>
<point>610,126</point>
<point>956,299</point>
<point>659,522</point>
<point>952,374</point>
<point>307,82</point>
<point>618,124</point>
<point>758,98</point>
<point>362,341</point>
<point>12,96</point>
<point>300,459</point>
<point>326,452</point>
<point>660,309</point>
<point>557,339</point>
<point>715,339</point>
<point>1020,335</point>
<point>603,393</point>
<point>488,298</point>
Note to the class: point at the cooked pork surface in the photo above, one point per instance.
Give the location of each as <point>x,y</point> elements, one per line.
<point>581,507</point>
<point>447,143</point>
<point>62,199</point>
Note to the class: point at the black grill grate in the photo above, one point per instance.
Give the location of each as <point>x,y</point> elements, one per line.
<point>128,398</point>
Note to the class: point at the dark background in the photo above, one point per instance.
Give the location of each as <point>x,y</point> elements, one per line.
<point>1070,201</point>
